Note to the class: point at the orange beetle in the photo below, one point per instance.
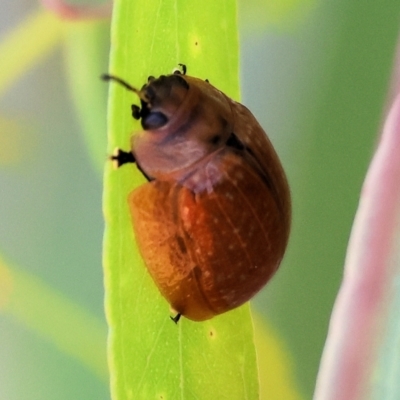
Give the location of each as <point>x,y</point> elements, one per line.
<point>213,221</point>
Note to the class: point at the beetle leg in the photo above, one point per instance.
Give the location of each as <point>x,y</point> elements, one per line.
<point>181,71</point>
<point>184,69</point>
<point>176,318</point>
<point>121,157</point>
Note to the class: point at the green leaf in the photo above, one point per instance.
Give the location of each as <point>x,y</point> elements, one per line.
<point>150,357</point>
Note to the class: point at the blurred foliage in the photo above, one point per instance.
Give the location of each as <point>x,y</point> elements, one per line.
<point>66,325</point>
<point>27,45</point>
<point>50,344</point>
<point>325,83</point>
<point>86,59</point>
<point>284,15</point>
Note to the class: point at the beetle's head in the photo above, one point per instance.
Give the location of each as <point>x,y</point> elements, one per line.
<point>159,98</point>
<point>184,120</point>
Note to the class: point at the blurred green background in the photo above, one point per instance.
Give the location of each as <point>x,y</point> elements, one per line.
<point>315,74</point>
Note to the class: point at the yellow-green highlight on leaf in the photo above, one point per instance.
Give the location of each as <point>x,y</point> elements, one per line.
<point>6,285</point>
<point>26,45</point>
<point>87,49</point>
<point>53,317</point>
<point>257,15</point>
<point>14,144</point>
<point>149,356</point>
<point>275,364</point>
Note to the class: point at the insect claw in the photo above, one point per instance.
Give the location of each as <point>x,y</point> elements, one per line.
<point>176,318</point>
<point>120,157</point>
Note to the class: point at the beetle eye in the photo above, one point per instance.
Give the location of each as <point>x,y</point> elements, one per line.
<point>154,120</point>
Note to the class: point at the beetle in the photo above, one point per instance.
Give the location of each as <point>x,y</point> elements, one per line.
<point>212,222</point>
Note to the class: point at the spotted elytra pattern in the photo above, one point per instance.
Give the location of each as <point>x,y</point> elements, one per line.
<point>213,221</point>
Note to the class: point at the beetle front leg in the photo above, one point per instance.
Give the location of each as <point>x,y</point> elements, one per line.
<point>121,157</point>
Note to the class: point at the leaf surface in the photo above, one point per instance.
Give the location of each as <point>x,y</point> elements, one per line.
<point>149,356</point>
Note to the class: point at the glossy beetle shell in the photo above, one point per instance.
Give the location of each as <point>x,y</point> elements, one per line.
<point>213,221</point>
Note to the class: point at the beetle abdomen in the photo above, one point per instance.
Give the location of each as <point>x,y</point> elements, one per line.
<point>210,252</point>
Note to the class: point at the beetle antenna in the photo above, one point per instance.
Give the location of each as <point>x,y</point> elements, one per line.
<point>126,85</point>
